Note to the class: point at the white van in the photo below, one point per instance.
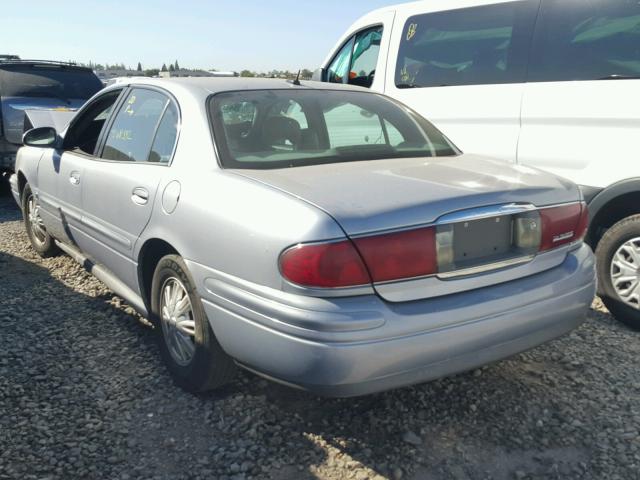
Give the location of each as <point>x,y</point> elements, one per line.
<point>553,84</point>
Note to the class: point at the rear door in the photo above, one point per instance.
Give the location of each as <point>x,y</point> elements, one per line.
<point>121,183</point>
<point>581,108</point>
<point>464,70</point>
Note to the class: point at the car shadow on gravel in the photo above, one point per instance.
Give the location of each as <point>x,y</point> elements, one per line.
<point>9,211</point>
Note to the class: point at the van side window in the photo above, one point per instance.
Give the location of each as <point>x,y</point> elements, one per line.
<point>356,61</point>
<point>339,68</point>
<point>469,46</point>
<point>586,40</point>
<point>365,57</point>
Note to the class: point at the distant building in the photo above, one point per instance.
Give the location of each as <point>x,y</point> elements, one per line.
<point>185,72</point>
<point>215,73</point>
<point>111,73</point>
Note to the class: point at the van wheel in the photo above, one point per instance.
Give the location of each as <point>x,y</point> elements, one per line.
<point>41,241</point>
<point>618,256</point>
<point>188,345</point>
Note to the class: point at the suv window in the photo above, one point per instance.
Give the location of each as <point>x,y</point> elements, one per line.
<point>85,130</point>
<point>586,40</point>
<point>133,130</point>
<point>51,81</point>
<point>468,46</point>
<point>356,61</point>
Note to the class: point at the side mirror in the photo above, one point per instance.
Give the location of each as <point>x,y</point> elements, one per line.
<point>318,75</point>
<point>43,137</point>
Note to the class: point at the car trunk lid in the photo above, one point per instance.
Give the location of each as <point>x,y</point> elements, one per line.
<point>474,203</point>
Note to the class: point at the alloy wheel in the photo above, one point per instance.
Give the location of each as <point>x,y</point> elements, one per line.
<point>625,272</point>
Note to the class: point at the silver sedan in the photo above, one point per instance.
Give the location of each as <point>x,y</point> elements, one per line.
<point>322,236</point>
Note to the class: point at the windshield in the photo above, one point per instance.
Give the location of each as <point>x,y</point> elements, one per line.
<point>51,81</point>
<point>264,129</point>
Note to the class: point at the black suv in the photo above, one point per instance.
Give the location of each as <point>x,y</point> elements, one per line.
<point>37,85</point>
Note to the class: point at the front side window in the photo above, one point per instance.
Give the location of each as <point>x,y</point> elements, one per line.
<point>469,46</point>
<point>356,61</point>
<point>133,131</point>
<point>293,128</point>
<point>82,136</point>
<point>586,40</point>
<point>365,57</point>
<point>338,71</point>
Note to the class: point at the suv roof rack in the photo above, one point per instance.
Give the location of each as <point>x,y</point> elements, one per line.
<point>14,59</point>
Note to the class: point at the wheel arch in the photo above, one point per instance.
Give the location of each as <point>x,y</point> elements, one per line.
<point>22,182</point>
<point>150,254</point>
<point>611,205</point>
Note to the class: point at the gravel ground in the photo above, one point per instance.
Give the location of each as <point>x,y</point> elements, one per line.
<point>83,395</point>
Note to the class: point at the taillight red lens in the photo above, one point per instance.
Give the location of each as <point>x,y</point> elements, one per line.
<point>563,224</point>
<point>399,255</point>
<point>324,265</point>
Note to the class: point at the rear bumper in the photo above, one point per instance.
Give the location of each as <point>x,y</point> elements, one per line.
<point>360,345</point>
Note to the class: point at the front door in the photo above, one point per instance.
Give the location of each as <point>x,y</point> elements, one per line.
<point>121,182</point>
<point>61,172</point>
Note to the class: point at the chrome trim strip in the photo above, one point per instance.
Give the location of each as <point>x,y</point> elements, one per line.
<point>485,268</point>
<point>485,212</point>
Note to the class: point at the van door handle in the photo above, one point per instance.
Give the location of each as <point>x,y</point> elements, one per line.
<point>140,196</point>
<point>74,178</point>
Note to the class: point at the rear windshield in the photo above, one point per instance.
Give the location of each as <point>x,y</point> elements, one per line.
<point>263,129</point>
<point>49,81</point>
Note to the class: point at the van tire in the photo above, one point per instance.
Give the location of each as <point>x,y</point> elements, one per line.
<point>616,237</point>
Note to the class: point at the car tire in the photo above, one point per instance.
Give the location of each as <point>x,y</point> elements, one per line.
<point>41,241</point>
<point>619,249</point>
<point>187,343</point>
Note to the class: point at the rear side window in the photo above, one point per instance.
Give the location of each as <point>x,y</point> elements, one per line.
<point>133,131</point>
<point>166,136</point>
<point>356,61</point>
<point>586,40</point>
<point>469,46</point>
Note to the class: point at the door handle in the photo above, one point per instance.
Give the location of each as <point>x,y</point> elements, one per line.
<point>140,196</point>
<point>74,178</point>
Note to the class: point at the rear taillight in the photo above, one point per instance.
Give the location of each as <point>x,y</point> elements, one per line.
<point>393,256</point>
<point>562,225</point>
<point>423,251</point>
<point>324,265</point>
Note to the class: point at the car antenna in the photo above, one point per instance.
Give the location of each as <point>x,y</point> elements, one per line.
<point>296,82</point>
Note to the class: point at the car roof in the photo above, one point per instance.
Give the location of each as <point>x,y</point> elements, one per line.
<point>206,86</point>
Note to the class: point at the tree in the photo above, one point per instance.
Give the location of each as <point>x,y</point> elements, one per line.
<point>164,67</point>
<point>176,66</point>
<point>247,73</point>
<point>153,72</point>
<point>306,74</point>
<point>172,68</point>
<point>139,69</point>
